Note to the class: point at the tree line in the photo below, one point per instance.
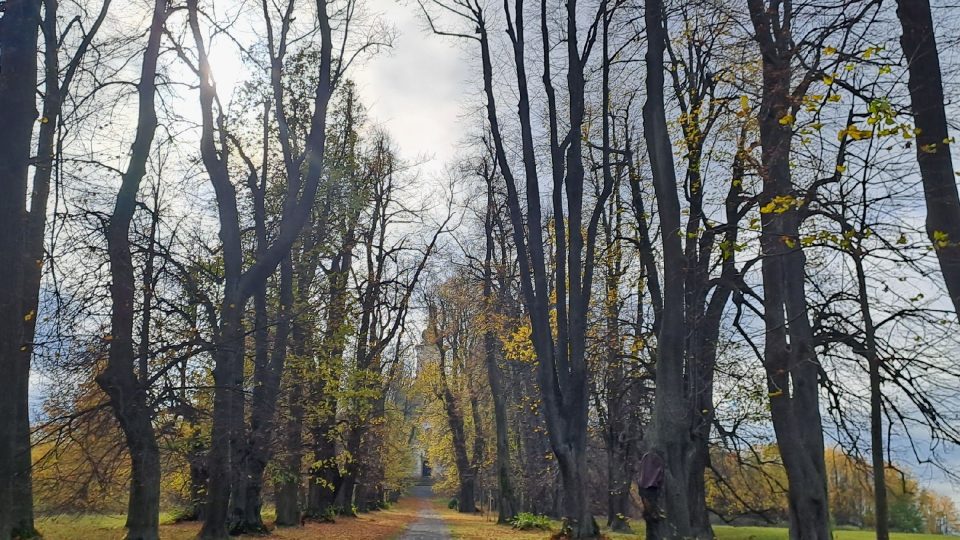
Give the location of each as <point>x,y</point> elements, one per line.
<point>680,232</point>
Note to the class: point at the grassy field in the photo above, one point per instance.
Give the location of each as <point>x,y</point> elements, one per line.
<point>773,533</point>
<point>477,527</point>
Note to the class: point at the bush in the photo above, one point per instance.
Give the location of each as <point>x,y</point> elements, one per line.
<point>525,521</point>
<point>454,504</point>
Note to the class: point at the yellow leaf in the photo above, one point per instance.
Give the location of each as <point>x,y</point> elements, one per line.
<point>787,119</point>
<point>828,79</point>
<point>941,239</point>
<point>829,51</point>
<point>29,316</point>
<point>841,169</point>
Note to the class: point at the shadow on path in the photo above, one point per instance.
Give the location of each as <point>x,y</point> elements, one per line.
<point>429,524</point>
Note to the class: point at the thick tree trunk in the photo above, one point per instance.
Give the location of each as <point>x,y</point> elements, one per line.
<point>328,489</point>
<point>19,29</point>
<point>199,475</point>
<point>229,449</point>
<point>467,494</point>
<point>576,505</point>
<point>267,375</point>
<point>143,510</point>
<point>619,481</point>
<point>328,492</point>
<point>289,511</point>
<point>933,143</point>
<point>225,438</point>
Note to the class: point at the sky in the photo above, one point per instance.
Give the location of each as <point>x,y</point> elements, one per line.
<point>416,89</point>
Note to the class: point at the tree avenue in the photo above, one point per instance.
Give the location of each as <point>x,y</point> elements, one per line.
<point>680,268</point>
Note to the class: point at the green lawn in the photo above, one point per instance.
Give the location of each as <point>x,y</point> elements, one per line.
<point>76,526</point>
<point>774,533</point>
<point>725,532</point>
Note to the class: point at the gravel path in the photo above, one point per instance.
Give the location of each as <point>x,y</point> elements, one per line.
<point>429,525</point>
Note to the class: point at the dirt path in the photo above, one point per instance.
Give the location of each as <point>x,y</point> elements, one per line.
<point>429,524</point>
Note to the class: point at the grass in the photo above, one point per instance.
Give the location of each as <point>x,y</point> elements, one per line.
<point>382,525</point>
<point>777,533</point>
<point>388,524</point>
<point>478,527</point>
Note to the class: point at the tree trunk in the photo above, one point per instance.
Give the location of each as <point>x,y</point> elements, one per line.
<point>225,438</point>
<point>933,143</point>
<point>199,475</point>
<point>264,406</point>
<point>467,494</point>
<point>229,449</point>
<point>670,433</point>
<point>18,79</point>
<point>618,489</point>
<point>128,394</point>
<point>143,510</point>
<point>881,510</point>
<point>507,507</point>
<point>327,488</point>
<point>289,512</point>
<point>789,358</point>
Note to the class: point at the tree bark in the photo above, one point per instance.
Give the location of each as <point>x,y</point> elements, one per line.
<point>19,29</point>
<point>933,143</point>
<point>267,376</point>
<point>289,512</point>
